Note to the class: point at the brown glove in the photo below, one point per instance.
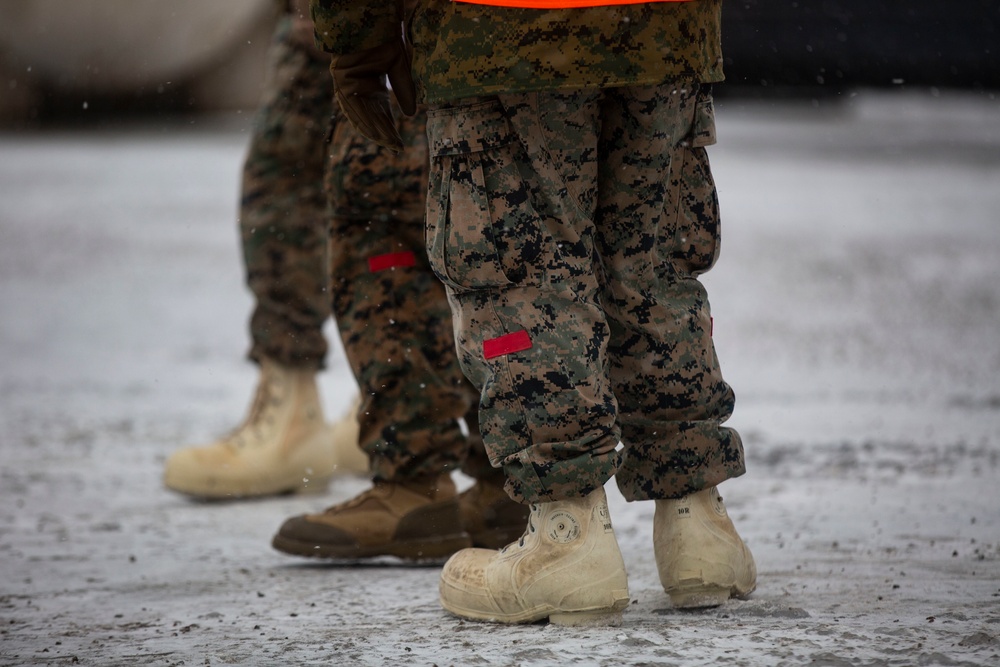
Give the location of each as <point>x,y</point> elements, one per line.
<point>359,81</point>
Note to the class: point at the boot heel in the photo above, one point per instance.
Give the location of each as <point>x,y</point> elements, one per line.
<point>695,597</point>
<point>601,617</point>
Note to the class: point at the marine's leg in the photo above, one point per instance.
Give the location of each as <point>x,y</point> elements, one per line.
<point>284,443</point>
<point>396,329</point>
<point>658,230</point>
<point>510,228</point>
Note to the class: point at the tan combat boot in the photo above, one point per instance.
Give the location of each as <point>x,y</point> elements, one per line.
<point>283,445</point>
<point>566,567</point>
<point>700,557</point>
<point>412,520</point>
<point>490,517</point>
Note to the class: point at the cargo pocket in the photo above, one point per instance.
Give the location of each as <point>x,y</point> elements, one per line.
<point>695,246</point>
<point>471,234</point>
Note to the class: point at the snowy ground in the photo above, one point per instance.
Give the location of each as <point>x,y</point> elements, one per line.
<point>857,314</point>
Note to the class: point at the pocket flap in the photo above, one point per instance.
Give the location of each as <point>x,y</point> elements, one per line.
<point>703,129</point>
<point>467,129</point>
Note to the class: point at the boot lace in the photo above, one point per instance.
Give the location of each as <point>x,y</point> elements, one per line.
<point>267,396</point>
<point>529,529</point>
<point>379,490</point>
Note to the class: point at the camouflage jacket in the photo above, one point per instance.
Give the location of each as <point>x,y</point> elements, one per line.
<point>465,50</point>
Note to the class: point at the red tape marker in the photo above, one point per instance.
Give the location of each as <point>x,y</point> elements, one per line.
<point>512,342</point>
<point>393,259</point>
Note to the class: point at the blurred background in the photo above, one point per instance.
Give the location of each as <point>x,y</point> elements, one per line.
<point>836,43</point>
<point>86,59</point>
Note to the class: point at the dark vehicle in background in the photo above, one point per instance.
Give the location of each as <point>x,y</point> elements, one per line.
<point>839,43</point>
<point>150,56</point>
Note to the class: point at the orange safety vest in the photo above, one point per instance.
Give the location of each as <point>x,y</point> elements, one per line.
<point>559,4</point>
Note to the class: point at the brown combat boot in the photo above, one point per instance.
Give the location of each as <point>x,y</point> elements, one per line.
<point>283,445</point>
<point>490,517</point>
<point>412,520</point>
<point>701,559</point>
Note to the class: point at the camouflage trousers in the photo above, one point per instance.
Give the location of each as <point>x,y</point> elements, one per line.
<point>330,222</point>
<point>570,229</point>
<point>283,209</point>
<point>391,310</point>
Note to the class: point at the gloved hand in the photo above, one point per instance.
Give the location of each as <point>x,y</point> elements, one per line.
<point>359,82</point>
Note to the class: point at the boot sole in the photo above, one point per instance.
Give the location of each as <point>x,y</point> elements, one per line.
<point>416,550</point>
<point>236,489</point>
<point>603,616</point>
<point>698,595</point>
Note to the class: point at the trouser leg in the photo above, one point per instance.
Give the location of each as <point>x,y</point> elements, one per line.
<point>477,464</point>
<point>283,209</point>
<point>658,230</point>
<point>391,310</point>
<point>527,193</point>
<point>511,233</point>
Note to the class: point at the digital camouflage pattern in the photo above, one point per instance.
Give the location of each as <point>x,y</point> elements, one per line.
<point>283,208</point>
<point>570,211</point>
<point>584,218</point>
<point>462,50</point>
<point>395,323</point>
<point>394,318</point>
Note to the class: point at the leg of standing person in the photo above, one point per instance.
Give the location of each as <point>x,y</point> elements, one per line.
<point>572,305</point>
<point>284,443</point>
<point>526,148</point>
<point>396,328</point>
<point>672,399</point>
